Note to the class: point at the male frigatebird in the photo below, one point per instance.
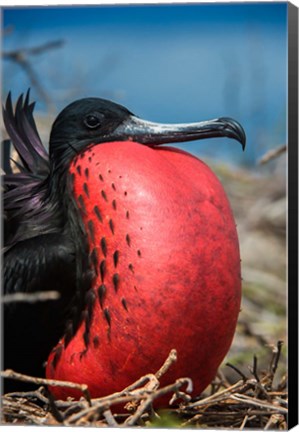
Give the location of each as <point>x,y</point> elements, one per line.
<point>138,239</point>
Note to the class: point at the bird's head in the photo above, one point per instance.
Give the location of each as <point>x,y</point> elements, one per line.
<point>93,121</point>
<point>84,122</point>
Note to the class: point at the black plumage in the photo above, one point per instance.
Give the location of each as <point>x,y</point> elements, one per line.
<point>39,254</point>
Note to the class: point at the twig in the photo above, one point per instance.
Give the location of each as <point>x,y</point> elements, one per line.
<point>54,409</point>
<point>30,297</point>
<point>154,395</point>
<point>148,380</point>
<point>254,369</point>
<point>9,373</point>
<point>21,57</point>
<point>249,404</point>
<point>40,49</point>
<point>276,357</point>
<point>109,418</point>
<point>223,394</point>
<point>256,402</point>
<point>273,420</point>
<point>244,422</point>
<point>172,358</point>
<point>237,370</point>
<point>272,154</point>
<point>153,382</point>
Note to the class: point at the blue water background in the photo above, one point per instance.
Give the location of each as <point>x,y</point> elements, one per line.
<point>166,63</point>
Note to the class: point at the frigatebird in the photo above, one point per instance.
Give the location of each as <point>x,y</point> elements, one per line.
<point>138,239</point>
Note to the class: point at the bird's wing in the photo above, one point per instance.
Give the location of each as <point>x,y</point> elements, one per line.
<point>39,264</point>
<point>32,323</point>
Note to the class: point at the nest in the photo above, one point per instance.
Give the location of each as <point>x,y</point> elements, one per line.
<point>253,401</point>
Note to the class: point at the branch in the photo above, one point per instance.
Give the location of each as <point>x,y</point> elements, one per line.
<point>272,154</point>
<point>21,57</point>
<point>9,373</point>
<point>30,297</point>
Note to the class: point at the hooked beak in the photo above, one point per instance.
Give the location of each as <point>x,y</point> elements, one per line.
<point>150,133</point>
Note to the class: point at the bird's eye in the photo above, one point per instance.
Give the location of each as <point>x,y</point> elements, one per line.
<point>92,121</point>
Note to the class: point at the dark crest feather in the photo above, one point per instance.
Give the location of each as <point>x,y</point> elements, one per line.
<point>25,190</point>
<point>21,128</point>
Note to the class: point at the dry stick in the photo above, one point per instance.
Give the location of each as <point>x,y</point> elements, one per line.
<point>281,401</point>
<point>254,370</point>
<point>277,352</point>
<point>221,413</point>
<point>100,406</point>
<point>126,395</point>
<point>263,391</point>
<point>217,396</point>
<point>256,402</point>
<point>34,413</point>
<point>273,420</point>
<point>228,417</point>
<point>219,416</point>
<point>9,373</point>
<point>133,391</point>
<point>244,422</point>
<point>30,297</point>
<point>35,394</point>
<point>155,395</point>
<point>21,57</point>
<point>272,154</point>
<point>172,357</point>
<point>9,401</point>
<point>238,371</point>
<point>278,393</point>
<point>53,407</point>
<point>123,397</point>
<point>150,381</point>
<point>262,410</point>
<point>109,418</point>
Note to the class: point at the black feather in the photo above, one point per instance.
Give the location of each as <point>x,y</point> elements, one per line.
<point>25,193</point>
<point>44,248</point>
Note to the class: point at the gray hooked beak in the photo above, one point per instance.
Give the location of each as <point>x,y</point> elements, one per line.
<point>150,133</point>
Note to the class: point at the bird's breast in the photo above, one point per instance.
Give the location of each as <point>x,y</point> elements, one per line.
<point>164,251</point>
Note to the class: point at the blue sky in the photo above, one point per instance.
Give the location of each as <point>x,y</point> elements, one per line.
<point>170,63</point>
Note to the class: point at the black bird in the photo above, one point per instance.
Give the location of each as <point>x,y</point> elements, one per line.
<point>46,246</point>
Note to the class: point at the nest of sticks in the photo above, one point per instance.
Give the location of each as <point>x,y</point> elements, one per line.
<point>253,401</point>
